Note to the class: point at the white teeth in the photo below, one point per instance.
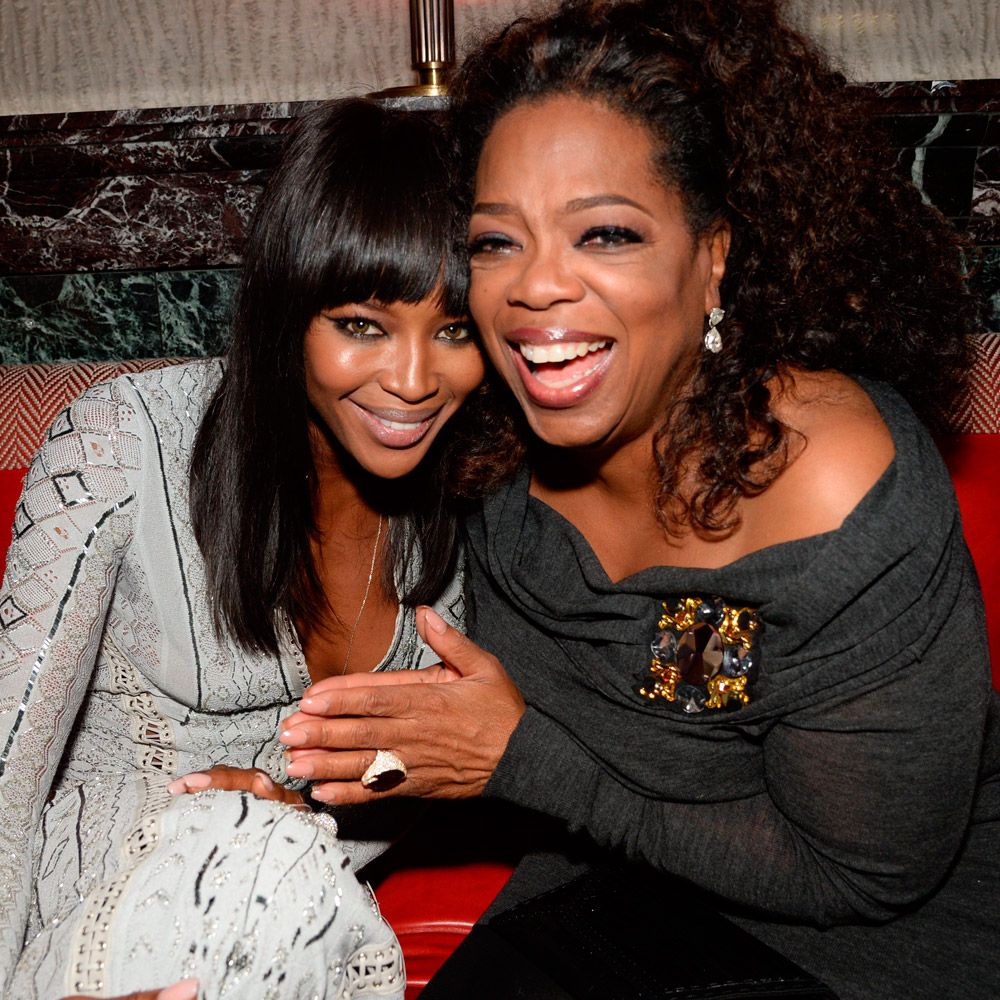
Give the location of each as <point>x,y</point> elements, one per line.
<point>397,426</point>
<point>539,355</point>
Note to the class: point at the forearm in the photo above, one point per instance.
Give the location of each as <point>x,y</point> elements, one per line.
<point>756,851</point>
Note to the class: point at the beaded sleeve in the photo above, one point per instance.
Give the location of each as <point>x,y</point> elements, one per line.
<point>72,526</point>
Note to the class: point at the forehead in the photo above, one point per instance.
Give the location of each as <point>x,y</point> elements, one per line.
<point>562,142</point>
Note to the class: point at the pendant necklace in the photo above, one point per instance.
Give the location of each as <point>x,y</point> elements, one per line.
<point>364,599</point>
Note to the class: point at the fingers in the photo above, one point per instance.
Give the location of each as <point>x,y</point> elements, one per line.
<point>373,701</point>
<point>384,678</point>
<point>350,730</point>
<point>224,778</point>
<point>456,650</point>
<point>234,779</point>
<point>335,766</point>
<point>197,781</point>
<point>186,989</point>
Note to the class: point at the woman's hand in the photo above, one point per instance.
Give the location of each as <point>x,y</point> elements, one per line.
<point>236,779</point>
<point>186,989</point>
<point>449,725</point>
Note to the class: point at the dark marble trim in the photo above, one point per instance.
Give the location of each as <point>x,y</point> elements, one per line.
<point>922,96</point>
<point>114,122</point>
<point>121,231</point>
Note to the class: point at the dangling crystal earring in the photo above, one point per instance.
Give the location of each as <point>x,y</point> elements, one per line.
<point>713,339</point>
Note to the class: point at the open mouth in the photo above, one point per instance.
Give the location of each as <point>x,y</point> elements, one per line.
<point>562,373</point>
<point>560,365</point>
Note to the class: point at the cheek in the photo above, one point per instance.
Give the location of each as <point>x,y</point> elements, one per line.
<point>466,377</point>
<point>486,295</point>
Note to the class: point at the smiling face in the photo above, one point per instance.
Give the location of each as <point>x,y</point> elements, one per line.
<point>588,288</point>
<point>385,378</point>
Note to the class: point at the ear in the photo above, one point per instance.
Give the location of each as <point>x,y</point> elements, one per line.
<point>717,242</point>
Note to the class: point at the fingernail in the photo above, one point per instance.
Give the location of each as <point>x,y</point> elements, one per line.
<point>186,989</point>
<point>434,621</point>
<point>299,769</point>
<point>292,737</point>
<point>322,793</point>
<point>189,783</point>
<point>266,782</point>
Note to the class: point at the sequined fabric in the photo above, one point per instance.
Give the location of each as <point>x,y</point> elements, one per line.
<point>112,681</point>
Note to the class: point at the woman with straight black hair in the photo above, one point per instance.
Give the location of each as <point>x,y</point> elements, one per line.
<point>198,544</point>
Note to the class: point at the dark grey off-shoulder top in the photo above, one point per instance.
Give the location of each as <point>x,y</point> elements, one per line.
<point>846,793</point>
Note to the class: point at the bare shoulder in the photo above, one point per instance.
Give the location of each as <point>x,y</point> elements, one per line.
<point>840,448</point>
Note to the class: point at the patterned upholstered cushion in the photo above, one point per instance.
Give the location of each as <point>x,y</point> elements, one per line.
<point>31,396</point>
<point>978,412</point>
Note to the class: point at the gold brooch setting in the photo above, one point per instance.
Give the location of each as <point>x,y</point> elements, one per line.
<point>705,655</point>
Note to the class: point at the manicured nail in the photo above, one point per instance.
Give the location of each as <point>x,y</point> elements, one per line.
<point>299,769</point>
<point>322,793</point>
<point>186,989</point>
<point>434,621</point>
<point>190,783</point>
<point>292,737</point>
<point>266,782</point>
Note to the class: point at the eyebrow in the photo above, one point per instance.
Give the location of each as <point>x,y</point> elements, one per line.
<point>576,205</point>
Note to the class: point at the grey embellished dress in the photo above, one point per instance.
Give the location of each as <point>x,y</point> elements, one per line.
<point>113,682</point>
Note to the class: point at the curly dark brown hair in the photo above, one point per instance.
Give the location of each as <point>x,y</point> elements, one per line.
<point>835,263</point>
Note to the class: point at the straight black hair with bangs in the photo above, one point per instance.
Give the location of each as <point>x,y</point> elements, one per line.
<point>357,209</point>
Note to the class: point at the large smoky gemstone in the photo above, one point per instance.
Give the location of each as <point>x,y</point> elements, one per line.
<point>699,654</point>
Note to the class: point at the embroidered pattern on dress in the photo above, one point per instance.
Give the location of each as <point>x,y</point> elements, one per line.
<point>372,972</point>
<point>705,655</point>
<point>92,938</point>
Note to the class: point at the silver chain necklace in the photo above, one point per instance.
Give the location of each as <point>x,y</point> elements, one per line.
<point>364,600</point>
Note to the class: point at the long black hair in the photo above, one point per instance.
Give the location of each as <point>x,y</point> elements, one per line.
<point>357,209</point>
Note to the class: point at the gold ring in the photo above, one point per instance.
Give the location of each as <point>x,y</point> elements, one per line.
<point>386,771</point>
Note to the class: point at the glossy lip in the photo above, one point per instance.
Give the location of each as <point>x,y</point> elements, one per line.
<point>379,421</point>
<point>559,397</point>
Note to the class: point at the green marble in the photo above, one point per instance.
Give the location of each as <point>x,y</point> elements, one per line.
<point>194,311</point>
<point>114,315</point>
<point>987,282</point>
<point>65,317</point>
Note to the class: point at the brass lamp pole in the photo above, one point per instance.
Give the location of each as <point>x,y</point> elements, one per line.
<point>432,43</point>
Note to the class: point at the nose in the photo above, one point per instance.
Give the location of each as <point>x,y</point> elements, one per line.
<point>543,279</point>
<point>411,374</point>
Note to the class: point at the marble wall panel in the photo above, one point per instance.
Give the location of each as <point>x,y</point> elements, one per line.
<point>140,189</point>
<point>120,231</point>
<point>195,311</point>
<point>985,222</point>
<point>101,317</point>
<point>986,281</point>
<point>134,221</point>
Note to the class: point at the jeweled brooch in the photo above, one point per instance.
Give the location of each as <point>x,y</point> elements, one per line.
<point>705,655</point>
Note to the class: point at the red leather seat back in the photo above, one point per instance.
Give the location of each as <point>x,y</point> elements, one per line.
<point>972,453</point>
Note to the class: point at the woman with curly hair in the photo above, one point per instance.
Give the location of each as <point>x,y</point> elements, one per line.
<point>742,641</point>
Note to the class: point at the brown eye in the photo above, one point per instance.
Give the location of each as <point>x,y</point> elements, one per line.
<point>356,326</point>
<point>454,332</point>
<point>609,236</point>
